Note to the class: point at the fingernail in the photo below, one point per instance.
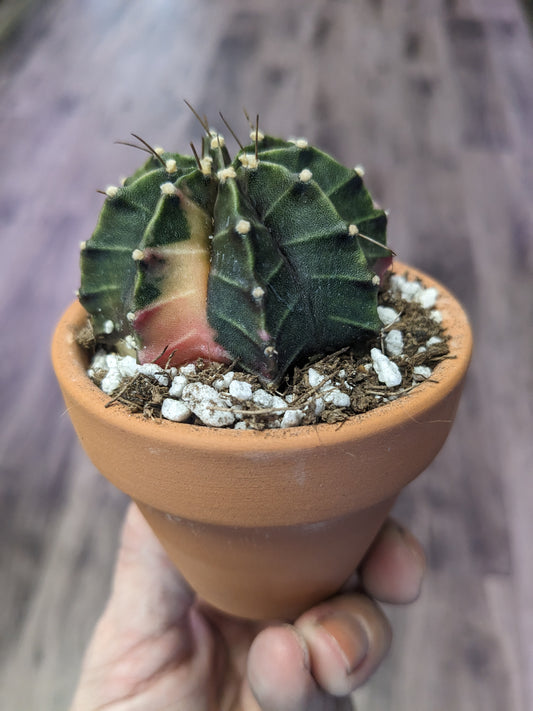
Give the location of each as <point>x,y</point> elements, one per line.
<point>348,635</point>
<point>301,641</point>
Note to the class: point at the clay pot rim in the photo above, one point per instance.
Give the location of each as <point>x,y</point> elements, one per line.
<point>68,360</point>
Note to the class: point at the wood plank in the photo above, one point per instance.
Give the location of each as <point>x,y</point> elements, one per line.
<point>436,100</point>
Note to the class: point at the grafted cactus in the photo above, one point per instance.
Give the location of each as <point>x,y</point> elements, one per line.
<point>265,259</point>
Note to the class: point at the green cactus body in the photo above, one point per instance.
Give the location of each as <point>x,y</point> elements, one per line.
<point>259,260</point>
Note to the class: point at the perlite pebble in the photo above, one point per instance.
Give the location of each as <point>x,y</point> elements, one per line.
<point>127,366</point>
<point>262,398</point>
<point>291,418</point>
<point>387,371</point>
<point>319,406</point>
<point>211,416</point>
<point>207,405</point>
<point>427,298</point>
<point>409,290</point>
<point>194,392</point>
<point>174,410</point>
<point>394,342</point>
<point>326,387</point>
<point>422,371</point>
<point>228,377</point>
<point>158,373</point>
<point>315,378</point>
<point>337,398</point>
<point>99,361</point>
<point>240,390</point>
<point>178,383</point>
<point>224,382</point>
<point>278,403</point>
<point>387,316</point>
<point>112,381</point>
<point>212,405</point>
<point>111,361</point>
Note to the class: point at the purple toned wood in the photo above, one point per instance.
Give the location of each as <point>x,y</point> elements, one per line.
<point>436,100</point>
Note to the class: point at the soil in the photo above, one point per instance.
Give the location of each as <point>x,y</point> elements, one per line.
<point>349,370</point>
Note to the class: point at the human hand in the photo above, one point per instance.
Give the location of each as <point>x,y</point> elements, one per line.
<point>156,648</point>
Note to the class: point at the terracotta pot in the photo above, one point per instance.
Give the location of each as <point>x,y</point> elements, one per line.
<point>264,524</point>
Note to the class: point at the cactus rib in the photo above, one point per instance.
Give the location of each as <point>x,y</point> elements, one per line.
<point>263,259</point>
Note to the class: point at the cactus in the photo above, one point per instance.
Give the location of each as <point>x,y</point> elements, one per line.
<point>264,259</point>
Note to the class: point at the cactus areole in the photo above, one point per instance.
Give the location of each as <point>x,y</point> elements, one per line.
<point>264,259</point>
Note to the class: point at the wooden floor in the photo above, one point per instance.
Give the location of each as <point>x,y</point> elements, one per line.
<point>435,99</point>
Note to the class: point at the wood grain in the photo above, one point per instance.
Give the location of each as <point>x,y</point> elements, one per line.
<point>436,100</point>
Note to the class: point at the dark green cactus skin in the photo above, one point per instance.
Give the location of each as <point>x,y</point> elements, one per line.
<point>279,270</point>
<point>109,273</point>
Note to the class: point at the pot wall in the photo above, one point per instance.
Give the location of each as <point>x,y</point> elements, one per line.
<point>267,572</point>
<point>197,485</point>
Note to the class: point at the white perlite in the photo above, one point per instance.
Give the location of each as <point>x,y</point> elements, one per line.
<point>118,369</point>
<point>188,370</point>
<point>240,390</point>
<point>336,397</point>
<point>159,374</point>
<point>178,383</point>
<point>387,316</point>
<point>320,406</point>
<point>224,404</point>
<point>422,371</point>
<point>224,382</point>
<point>278,403</point>
<point>394,342</point>
<point>414,291</point>
<point>262,398</point>
<point>427,298</point>
<point>99,361</point>
<point>175,410</point>
<point>111,382</point>
<point>315,378</point>
<point>291,418</point>
<point>387,371</point>
<point>208,405</point>
<point>127,366</point>
<point>409,290</point>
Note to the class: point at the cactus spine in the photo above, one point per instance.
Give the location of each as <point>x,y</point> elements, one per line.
<point>261,259</point>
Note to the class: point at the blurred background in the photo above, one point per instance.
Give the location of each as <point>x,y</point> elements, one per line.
<point>435,99</point>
